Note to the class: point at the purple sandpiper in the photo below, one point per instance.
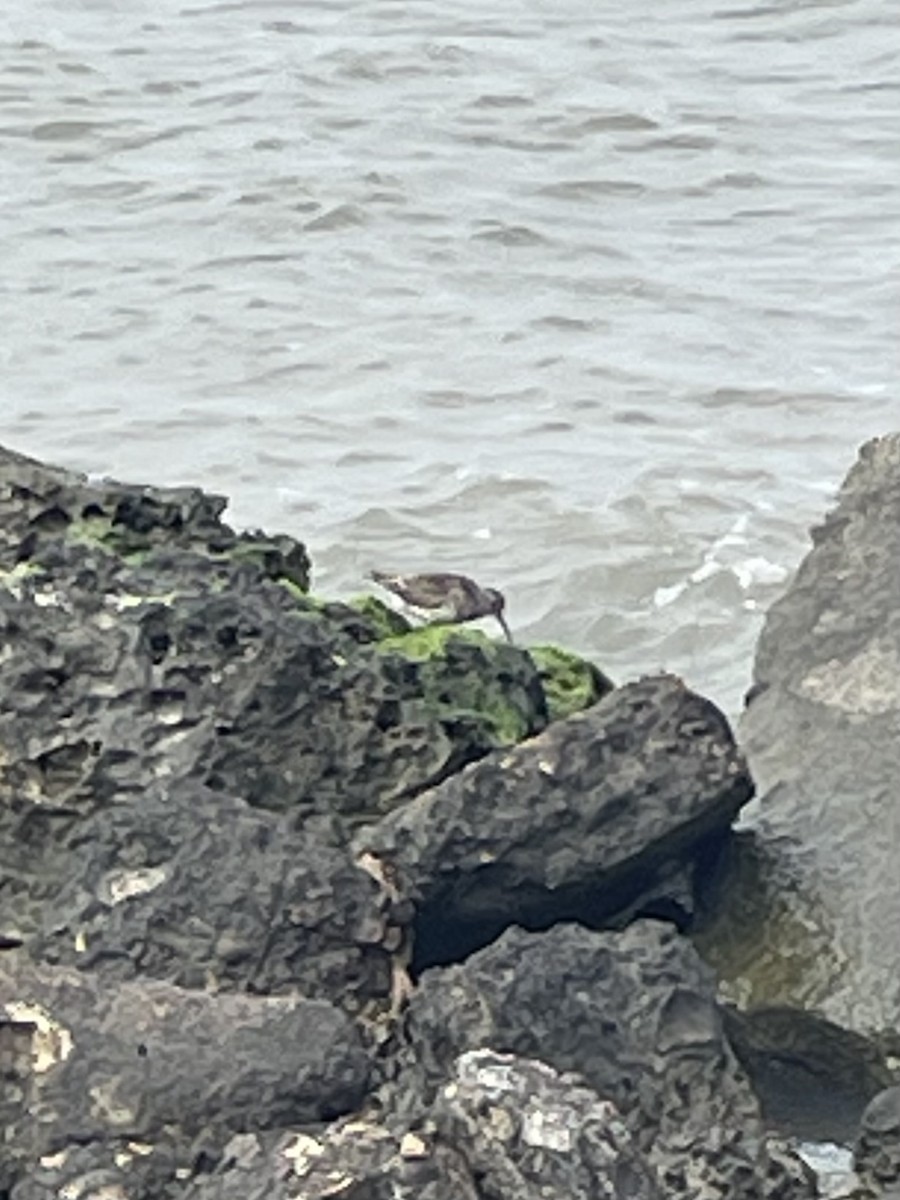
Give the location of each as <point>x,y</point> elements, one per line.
<point>446,597</point>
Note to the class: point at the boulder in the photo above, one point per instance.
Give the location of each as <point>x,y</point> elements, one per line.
<point>528,1131</point>
<point>106,1170</point>
<point>196,888</point>
<point>603,814</point>
<point>354,1159</point>
<point>146,1063</point>
<point>145,639</point>
<point>500,1127</point>
<point>876,1155</point>
<point>634,1014</point>
<point>806,920</point>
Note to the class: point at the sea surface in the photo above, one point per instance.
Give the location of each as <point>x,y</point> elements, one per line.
<point>593,300</point>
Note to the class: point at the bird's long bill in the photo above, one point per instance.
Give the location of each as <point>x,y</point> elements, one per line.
<point>503,625</point>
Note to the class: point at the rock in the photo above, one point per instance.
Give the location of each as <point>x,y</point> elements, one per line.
<point>198,889</point>
<point>123,1170</point>
<point>528,1131</point>
<point>474,683</point>
<point>820,733</point>
<point>225,801</point>
<point>812,1078</point>
<point>144,638</point>
<point>603,813</point>
<point>634,1014</point>
<point>500,1127</point>
<point>39,504</point>
<point>570,683</point>
<point>148,1062</point>
<point>354,1159</point>
<point>876,1155</point>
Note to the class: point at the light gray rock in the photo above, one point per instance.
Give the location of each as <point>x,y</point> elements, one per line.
<point>822,736</point>
<point>528,1131</point>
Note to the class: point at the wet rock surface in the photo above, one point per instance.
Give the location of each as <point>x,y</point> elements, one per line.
<point>298,901</point>
<point>822,739</point>
<point>807,920</point>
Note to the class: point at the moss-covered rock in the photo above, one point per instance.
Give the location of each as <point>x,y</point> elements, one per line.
<point>570,683</point>
<point>486,691</point>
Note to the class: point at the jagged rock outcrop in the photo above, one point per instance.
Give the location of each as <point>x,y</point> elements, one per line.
<point>144,638</point>
<point>233,806</point>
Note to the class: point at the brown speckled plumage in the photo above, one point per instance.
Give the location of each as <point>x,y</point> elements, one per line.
<point>445,596</point>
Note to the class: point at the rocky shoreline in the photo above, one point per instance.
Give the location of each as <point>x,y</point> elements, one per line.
<point>301,902</point>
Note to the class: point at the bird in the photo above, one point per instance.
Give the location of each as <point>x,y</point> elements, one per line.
<point>445,596</point>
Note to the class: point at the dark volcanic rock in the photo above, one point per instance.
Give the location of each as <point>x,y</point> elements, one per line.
<point>634,1014</point>
<point>529,1132</point>
<point>604,812</point>
<point>355,1159</point>
<point>501,1127</point>
<point>161,674</point>
<point>144,639</point>
<point>39,503</point>
<point>113,1170</point>
<point>195,888</point>
<point>821,735</point>
<point>150,1062</point>
<point>876,1155</point>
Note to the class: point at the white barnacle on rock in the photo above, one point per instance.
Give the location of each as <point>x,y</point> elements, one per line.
<point>108,1106</point>
<point>413,1147</point>
<point>46,598</point>
<point>132,1150</point>
<point>547,1127</point>
<point>53,1162</point>
<point>302,1152</point>
<point>123,885</point>
<point>51,1042</point>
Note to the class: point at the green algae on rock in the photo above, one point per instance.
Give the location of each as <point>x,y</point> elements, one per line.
<point>486,690</point>
<point>570,683</point>
<point>386,620</point>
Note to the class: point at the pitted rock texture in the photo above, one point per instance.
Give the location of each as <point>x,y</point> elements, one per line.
<point>148,1062</point>
<point>145,639</point>
<point>605,812</point>
<point>876,1155</point>
<point>501,1127</point>
<point>196,888</point>
<point>634,1015</point>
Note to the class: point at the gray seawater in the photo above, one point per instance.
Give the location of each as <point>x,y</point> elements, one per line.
<point>593,300</point>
